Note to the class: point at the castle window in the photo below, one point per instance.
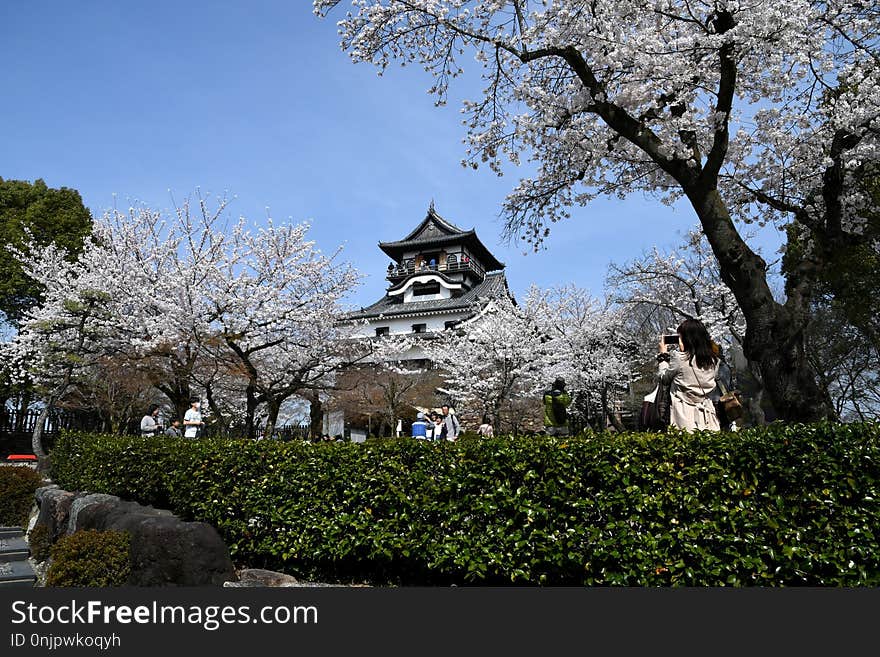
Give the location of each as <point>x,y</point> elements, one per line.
<point>451,261</point>
<point>381,330</point>
<point>419,328</point>
<point>449,325</point>
<point>428,288</point>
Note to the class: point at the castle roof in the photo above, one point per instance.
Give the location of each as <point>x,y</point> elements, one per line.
<point>434,230</point>
<point>494,286</point>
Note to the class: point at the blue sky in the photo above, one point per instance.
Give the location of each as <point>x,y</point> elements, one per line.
<point>126,101</point>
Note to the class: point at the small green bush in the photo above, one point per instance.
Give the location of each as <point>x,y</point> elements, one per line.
<point>90,558</point>
<point>17,487</point>
<point>39,542</point>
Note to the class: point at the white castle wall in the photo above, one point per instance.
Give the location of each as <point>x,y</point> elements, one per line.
<point>404,324</point>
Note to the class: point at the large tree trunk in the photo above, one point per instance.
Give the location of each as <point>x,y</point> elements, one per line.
<point>250,428</point>
<point>774,332</point>
<point>37,436</point>
<point>176,385</point>
<point>272,409</point>
<point>178,393</point>
<point>316,413</point>
<point>610,414</point>
<point>756,410</point>
<point>219,421</point>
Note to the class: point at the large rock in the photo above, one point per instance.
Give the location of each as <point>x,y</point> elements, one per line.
<point>165,551</point>
<point>42,490</point>
<point>54,505</point>
<point>258,577</point>
<point>83,501</point>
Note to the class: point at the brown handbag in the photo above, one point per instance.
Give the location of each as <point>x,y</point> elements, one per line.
<point>730,402</point>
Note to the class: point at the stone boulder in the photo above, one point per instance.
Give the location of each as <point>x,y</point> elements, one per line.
<point>258,577</point>
<point>165,550</point>
<point>83,501</point>
<point>54,510</point>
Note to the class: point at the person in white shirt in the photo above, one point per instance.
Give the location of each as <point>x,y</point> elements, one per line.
<point>149,422</point>
<point>192,419</point>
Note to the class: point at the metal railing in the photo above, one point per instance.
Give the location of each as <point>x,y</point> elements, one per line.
<point>408,268</point>
<point>16,427</point>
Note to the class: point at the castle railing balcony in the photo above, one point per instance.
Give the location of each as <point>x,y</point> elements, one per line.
<point>408,268</point>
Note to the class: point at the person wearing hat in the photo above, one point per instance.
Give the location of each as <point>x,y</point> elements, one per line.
<point>556,401</point>
<point>420,427</point>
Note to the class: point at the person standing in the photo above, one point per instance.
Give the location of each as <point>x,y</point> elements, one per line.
<point>438,426</point>
<point>173,429</point>
<point>485,429</point>
<point>691,371</point>
<point>192,419</point>
<point>450,426</point>
<point>420,427</point>
<point>150,422</point>
<point>556,401</point>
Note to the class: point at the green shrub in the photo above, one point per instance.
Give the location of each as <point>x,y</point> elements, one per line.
<point>776,506</point>
<point>17,487</point>
<point>40,542</point>
<point>90,558</point>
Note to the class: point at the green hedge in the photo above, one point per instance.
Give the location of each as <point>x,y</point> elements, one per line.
<point>784,505</point>
<point>17,487</point>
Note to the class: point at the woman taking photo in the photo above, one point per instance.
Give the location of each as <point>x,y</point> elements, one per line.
<point>691,372</point>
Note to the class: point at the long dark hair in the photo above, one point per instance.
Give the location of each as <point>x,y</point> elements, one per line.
<point>697,343</point>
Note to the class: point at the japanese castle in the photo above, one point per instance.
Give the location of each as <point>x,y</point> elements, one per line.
<point>440,276</point>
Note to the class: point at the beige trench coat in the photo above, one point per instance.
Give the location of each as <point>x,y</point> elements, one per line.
<point>690,408</point>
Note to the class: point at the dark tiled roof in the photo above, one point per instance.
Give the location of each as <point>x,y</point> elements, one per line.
<point>493,286</point>
<point>444,226</point>
<point>435,230</point>
<point>422,240</point>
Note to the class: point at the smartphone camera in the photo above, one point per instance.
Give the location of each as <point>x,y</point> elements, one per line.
<point>671,339</point>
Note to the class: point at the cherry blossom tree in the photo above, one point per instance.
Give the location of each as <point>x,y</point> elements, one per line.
<point>80,321</point>
<point>507,352</point>
<point>490,359</point>
<point>751,112</point>
<point>257,305</point>
<point>683,281</point>
<point>587,344</point>
<point>116,394</point>
<point>272,303</point>
<point>244,314</point>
